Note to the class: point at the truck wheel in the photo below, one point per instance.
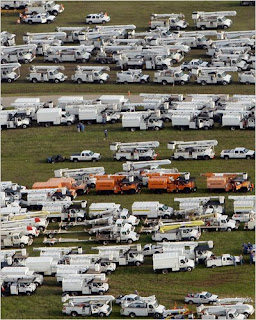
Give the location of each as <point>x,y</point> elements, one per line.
<point>94,160</point>
<point>122,159</point>
<point>189,269</point>
<point>229,229</point>
<point>34,80</point>
<point>6,7</point>
<point>56,80</point>
<point>132,315</point>
<point>247,83</point>
<point>185,69</point>
<point>79,219</point>
<point>181,158</point>
<point>9,80</point>
<point>73,314</point>
<point>113,121</point>
<point>101,315</point>
<point>49,21</point>
<point>164,240</point>
<point>206,128</point>
<point>30,21</point>
<point>75,160</point>
<point>157,316</point>
<point>182,83</point>
<point>129,241</point>
<point>22,245</point>
<point>203,27</point>
<point>54,220</point>
<point>226,157</point>
<point>132,129</point>
<point>142,81</point>
<point>203,83</point>
<point>51,235</point>
<point>248,157</point>
<point>225,27</point>
<point>156,128</point>
<point>125,82</point>
<point>224,83</point>
<point>206,157</point>
<point>178,28</point>
<point>69,123</point>
<point>101,81</point>
<point>55,13</point>
<point>214,266</point>
<point>28,293</point>
<point>102,61</point>
<point>190,302</point>
<point>105,242</point>
<point>79,81</point>
<point>246,314</point>
<point>26,61</point>
<point>41,228</point>
<point>47,124</point>
<point>164,82</point>
<point>101,293</point>
<point>164,271</point>
<point>192,239</point>
<point>24,126</point>
<point>166,216</point>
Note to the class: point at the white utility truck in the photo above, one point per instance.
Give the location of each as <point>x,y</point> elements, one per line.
<point>46,74</point>
<point>151,210</point>
<point>54,116</point>
<point>171,261</point>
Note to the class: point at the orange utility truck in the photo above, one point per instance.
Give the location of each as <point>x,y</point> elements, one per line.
<point>228,182</point>
<point>117,184</point>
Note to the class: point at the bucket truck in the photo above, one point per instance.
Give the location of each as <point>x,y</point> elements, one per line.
<point>10,72</point>
<point>212,20</point>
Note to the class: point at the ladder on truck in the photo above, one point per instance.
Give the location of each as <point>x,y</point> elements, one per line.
<point>80,171</point>
<point>122,146</point>
<point>152,164</point>
<point>185,144</point>
<point>204,15</point>
<point>176,225</point>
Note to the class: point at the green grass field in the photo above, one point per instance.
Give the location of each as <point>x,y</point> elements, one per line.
<point>24,153</point>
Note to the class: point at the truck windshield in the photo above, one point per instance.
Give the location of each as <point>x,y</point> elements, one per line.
<point>156,305</point>
<point>164,207</point>
<point>208,295</point>
<point>90,153</point>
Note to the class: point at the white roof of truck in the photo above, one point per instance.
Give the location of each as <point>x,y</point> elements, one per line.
<point>49,110</point>
<point>144,204</point>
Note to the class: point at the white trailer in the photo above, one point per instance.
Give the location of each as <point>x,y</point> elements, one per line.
<point>10,72</point>
<point>203,149</point>
<point>90,74</point>
<point>45,265</point>
<point>54,116</point>
<point>171,261</point>
<point>134,150</point>
<point>142,120</point>
<point>151,209</point>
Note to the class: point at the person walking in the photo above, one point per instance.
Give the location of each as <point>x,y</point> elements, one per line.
<point>82,127</point>
<point>78,129</point>
<point>241,259</point>
<point>106,133</point>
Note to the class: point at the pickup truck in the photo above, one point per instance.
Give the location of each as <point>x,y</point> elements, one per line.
<point>237,153</point>
<point>194,64</point>
<point>150,249</point>
<point>86,155</point>
<point>97,18</point>
<point>221,261</point>
<point>38,18</point>
<point>203,297</point>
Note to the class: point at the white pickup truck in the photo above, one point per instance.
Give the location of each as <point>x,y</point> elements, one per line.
<point>194,64</point>
<point>202,297</point>
<point>237,153</point>
<point>38,18</point>
<point>221,261</point>
<point>86,155</point>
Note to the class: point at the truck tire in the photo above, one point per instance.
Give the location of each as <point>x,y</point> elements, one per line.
<point>206,157</point>
<point>132,315</point>
<point>54,220</point>
<point>224,83</point>
<point>6,7</point>
<point>248,157</point>
<point>164,240</point>
<point>247,83</point>
<point>229,229</point>
<point>142,81</point>
<point>79,81</point>
<point>105,242</point>
<point>133,129</point>
<point>157,316</point>
<point>79,219</point>
<point>156,128</point>
<point>24,126</point>
<point>22,245</point>
<point>26,61</point>
<point>225,26</point>
<point>101,81</point>
<point>4,61</point>
<point>73,313</point>
<point>47,124</point>
<point>203,83</point>
<point>101,293</point>
<point>226,157</point>
<point>113,121</point>
<point>55,13</point>
<point>30,21</point>
<point>203,27</point>
<point>166,216</point>
<point>102,61</point>
<point>185,69</point>
<point>164,271</point>
<point>41,228</point>
<point>9,80</point>
<point>75,160</point>
<point>192,239</point>
<point>206,128</point>
<point>190,302</point>
<point>56,80</point>
<point>164,82</point>
<point>214,266</point>
<point>137,263</point>
<point>49,21</point>
<point>129,241</point>
<point>189,269</point>
<point>178,28</point>
<point>123,159</point>
<point>182,83</point>
<point>28,293</point>
<point>34,80</point>
<point>181,158</point>
<point>101,315</point>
